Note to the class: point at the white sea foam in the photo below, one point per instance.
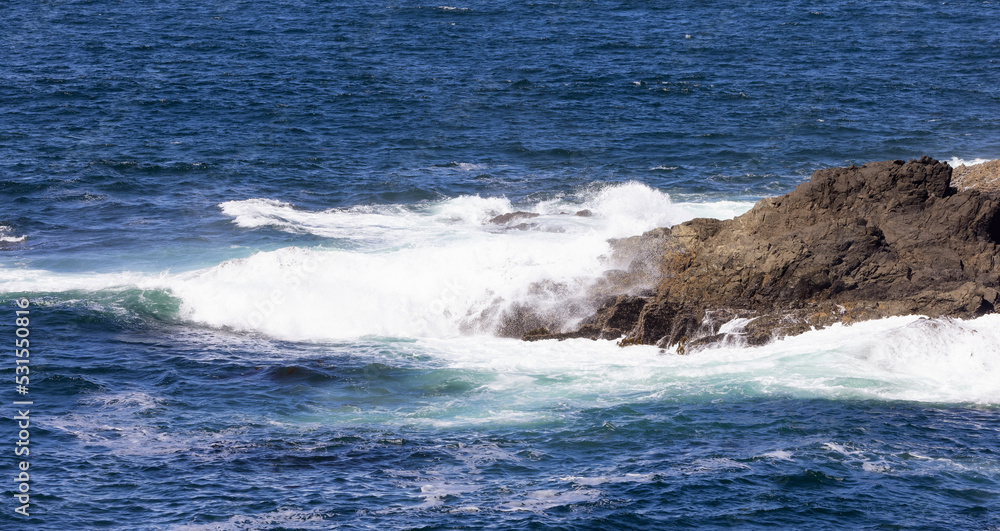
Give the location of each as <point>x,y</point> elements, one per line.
<point>621,210</point>
<point>282,518</point>
<point>955,162</point>
<point>600,480</point>
<point>359,223</point>
<point>542,500</point>
<point>434,494</point>
<point>468,166</point>
<point>121,426</point>
<point>877,467</point>
<point>840,449</point>
<point>900,358</point>
<point>780,455</point>
<point>135,401</point>
<point>40,280</point>
<point>437,270</point>
<point>6,235</point>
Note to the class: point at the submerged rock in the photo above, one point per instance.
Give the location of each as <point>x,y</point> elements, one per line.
<point>511,216</point>
<point>887,238</point>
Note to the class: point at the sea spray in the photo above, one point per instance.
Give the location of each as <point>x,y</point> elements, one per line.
<point>439,269</point>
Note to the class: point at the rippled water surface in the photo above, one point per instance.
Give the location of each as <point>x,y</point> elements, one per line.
<point>266,292</point>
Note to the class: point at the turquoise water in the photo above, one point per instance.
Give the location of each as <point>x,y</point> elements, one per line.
<point>265,292</point>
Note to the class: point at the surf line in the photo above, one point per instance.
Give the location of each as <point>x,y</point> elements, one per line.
<point>23,418</point>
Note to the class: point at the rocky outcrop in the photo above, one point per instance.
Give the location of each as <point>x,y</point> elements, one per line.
<point>887,238</point>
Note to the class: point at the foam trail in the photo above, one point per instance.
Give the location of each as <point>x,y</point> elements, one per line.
<point>900,358</point>
<point>40,280</point>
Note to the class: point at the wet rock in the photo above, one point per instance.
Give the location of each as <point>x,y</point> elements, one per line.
<point>503,219</point>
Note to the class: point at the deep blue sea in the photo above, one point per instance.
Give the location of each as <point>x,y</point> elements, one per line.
<point>264,291</point>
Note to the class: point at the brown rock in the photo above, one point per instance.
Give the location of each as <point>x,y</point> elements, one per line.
<point>886,238</point>
<point>511,216</point>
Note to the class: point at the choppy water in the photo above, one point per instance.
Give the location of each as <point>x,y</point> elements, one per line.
<point>265,293</point>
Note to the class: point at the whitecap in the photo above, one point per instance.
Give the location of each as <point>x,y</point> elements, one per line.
<point>281,518</point>
<point>780,455</point>
<point>600,480</point>
<point>7,237</point>
<point>542,500</point>
<point>955,162</point>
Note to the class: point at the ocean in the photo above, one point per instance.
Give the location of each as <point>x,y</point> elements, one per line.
<point>259,288</point>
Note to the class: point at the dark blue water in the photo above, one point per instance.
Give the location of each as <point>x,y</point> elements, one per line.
<point>265,294</point>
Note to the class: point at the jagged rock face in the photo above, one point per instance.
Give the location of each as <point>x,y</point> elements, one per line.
<point>886,238</point>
